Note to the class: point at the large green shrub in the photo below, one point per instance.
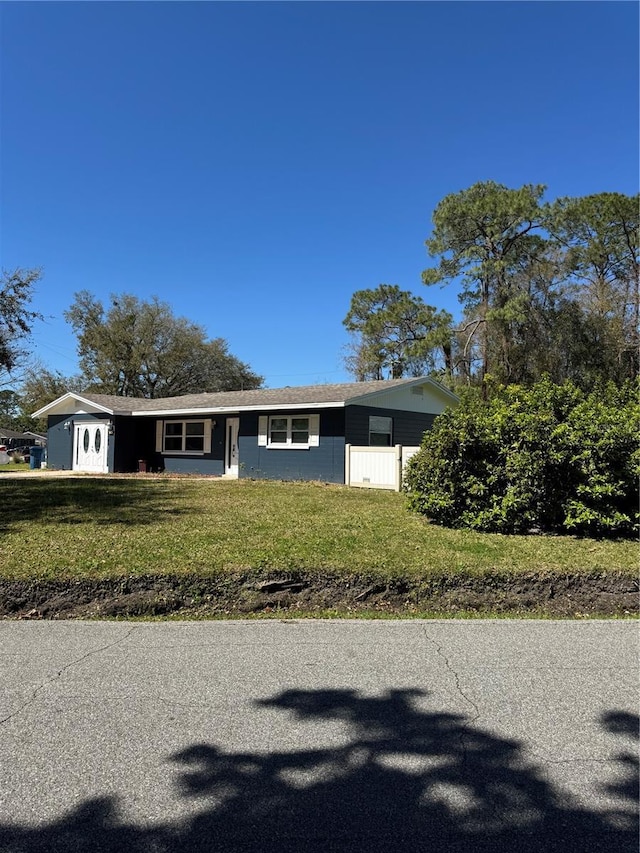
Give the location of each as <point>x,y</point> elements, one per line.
<point>544,458</point>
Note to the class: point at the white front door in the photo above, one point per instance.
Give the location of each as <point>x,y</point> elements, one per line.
<point>90,448</point>
<point>231,448</point>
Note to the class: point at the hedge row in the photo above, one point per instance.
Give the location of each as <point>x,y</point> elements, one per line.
<point>544,458</point>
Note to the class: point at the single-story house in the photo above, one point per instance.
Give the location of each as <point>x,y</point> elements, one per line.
<point>278,433</point>
<point>12,439</point>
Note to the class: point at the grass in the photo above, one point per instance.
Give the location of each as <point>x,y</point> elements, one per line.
<point>113,527</point>
<point>12,467</point>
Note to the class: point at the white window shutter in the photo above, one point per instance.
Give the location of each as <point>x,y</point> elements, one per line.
<point>207,436</point>
<point>159,431</point>
<point>263,426</point>
<point>314,430</point>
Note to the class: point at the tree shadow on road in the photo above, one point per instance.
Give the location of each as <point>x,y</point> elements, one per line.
<point>404,779</point>
<point>627,725</point>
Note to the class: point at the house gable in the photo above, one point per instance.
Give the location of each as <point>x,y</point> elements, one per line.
<point>419,396</point>
<point>73,404</point>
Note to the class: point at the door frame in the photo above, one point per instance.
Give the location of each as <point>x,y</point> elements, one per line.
<point>231,448</point>
<point>78,431</point>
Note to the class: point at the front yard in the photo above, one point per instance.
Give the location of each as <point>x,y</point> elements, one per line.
<point>220,547</point>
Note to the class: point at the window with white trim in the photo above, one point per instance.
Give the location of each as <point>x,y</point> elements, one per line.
<point>295,432</point>
<point>186,437</point>
<point>380,431</point>
<point>288,430</point>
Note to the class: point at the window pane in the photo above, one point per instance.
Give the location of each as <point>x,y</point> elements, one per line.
<point>278,430</point>
<point>379,424</point>
<point>300,430</point>
<point>173,443</point>
<point>194,442</point>
<point>378,439</point>
<point>380,431</point>
<point>173,428</point>
<point>196,428</point>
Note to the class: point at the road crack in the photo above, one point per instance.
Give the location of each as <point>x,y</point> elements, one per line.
<point>58,674</point>
<point>456,677</point>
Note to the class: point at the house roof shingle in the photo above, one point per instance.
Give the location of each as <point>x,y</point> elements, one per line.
<point>262,397</point>
<point>10,433</point>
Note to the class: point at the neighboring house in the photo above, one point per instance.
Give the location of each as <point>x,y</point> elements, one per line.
<point>12,439</point>
<point>274,433</point>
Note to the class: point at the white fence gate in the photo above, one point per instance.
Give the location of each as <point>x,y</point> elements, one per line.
<point>376,467</point>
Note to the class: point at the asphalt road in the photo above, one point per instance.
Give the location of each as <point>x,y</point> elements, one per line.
<point>299,736</point>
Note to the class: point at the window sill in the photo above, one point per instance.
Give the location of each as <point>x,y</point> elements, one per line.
<point>182,452</point>
<point>288,446</point>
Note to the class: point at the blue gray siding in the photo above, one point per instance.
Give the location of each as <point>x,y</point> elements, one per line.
<point>210,464</point>
<point>60,440</point>
<point>324,463</point>
<point>59,443</point>
<point>408,427</point>
<point>193,465</point>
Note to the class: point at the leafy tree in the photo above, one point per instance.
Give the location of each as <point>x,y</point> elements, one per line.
<point>483,234</point>
<point>396,333</point>
<point>16,318</point>
<point>39,387</point>
<point>546,458</point>
<point>10,409</point>
<point>599,236</point>
<point>546,289</point>
<point>140,349</point>
<point>549,333</point>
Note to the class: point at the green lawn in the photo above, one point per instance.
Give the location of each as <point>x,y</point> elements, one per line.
<point>93,528</point>
<point>12,467</point>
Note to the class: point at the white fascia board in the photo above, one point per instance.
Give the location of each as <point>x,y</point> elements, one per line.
<point>224,410</point>
<point>58,406</point>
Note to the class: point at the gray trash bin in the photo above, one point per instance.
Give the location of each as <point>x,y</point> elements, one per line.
<point>35,456</point>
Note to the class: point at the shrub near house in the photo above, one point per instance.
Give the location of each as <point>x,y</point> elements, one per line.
<point>544,458</point>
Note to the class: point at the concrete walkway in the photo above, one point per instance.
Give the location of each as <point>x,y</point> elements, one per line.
<point>30,474</point>
<point>50,474</point>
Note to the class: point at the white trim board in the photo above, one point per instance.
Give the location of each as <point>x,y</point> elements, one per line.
<point>91,408</point>
<point>235,410</point>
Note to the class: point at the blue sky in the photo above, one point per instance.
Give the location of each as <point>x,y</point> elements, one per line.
<point>253,164</point>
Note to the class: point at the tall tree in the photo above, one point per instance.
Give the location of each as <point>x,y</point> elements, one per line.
<point>16,317</point>
<point>10,409</point>
<point>141,349</point>
<point>599,236</point>
<point>481,235</point>
<point>397,334</point>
